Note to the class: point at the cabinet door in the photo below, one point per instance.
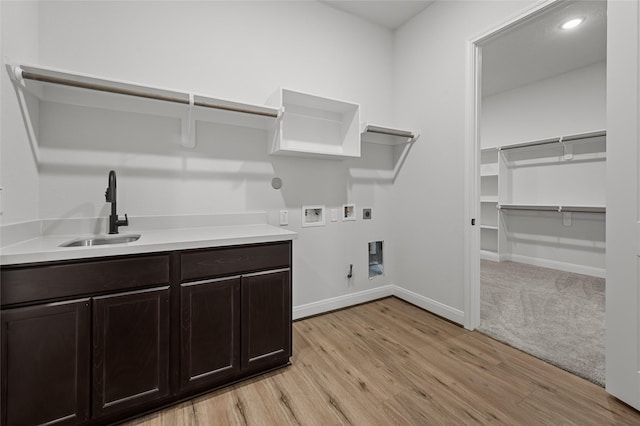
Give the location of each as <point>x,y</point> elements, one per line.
<point>209,331</point>
<point>266,319</point>
<point>130,349</point>
<point>46,364</point>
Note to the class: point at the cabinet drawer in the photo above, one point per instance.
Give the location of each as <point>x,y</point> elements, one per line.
<point>200,264</point>
<point>54,281</point>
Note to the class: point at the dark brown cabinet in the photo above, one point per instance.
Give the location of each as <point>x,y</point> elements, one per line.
<point>256,284</point>
<point>46,363</point>
<point>98,341</point>
<point>266,318</point>
<point>130,349</point>
<point>209,332</point>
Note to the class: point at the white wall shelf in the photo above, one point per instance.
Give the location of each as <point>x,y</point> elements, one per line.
<point>54,85</point>
<point>489,199</point>
<point>543,202</point>
<point>314,126</point>
<point>372,133</point>
<point>490,234</point>
<point>490,227</point>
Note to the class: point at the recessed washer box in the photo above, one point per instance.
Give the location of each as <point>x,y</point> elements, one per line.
<point>348,212</point>
<point>313,216</point>
<point>376,259</point>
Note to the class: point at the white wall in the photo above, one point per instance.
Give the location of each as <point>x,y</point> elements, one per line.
<point>573,102</point>
<point>18,169</point>
<point>238,50</point>
<point>569,103</point>
<point>429,76</point>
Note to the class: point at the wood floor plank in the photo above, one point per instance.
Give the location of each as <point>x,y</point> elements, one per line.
<point>221,406</point>
<point>390,363</point>
<point>180,415</point>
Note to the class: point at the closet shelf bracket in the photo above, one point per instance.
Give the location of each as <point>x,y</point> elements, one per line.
<point>188,139</point>
<point>567,150</point>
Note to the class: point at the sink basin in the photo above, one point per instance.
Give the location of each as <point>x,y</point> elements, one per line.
<point>101,240</point>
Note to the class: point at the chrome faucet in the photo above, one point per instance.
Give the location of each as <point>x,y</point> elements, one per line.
<point>110,195</point>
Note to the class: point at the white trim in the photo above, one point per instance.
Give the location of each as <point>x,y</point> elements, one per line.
<point>472,190</point>
<point>553,264</point>
<point>490,255</point>
<point>472,149</point>
<point>327,305</point>
<point>445,311</point>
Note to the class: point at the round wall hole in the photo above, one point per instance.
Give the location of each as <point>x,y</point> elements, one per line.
<point>276,183</point>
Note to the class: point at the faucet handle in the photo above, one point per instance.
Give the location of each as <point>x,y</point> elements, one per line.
<point>124,222</point>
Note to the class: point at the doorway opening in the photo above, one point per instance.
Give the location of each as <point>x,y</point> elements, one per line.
<point>538,93</point>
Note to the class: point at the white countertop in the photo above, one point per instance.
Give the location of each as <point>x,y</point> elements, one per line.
<point>47,248</point>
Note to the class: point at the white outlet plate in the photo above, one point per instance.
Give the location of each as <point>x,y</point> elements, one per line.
<point>284,217</point>
<point>334,215</point>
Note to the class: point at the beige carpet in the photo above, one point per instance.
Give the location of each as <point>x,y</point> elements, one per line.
<point>553,315</point>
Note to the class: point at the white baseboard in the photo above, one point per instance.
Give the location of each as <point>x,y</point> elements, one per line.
<point>327,305</point>
<point>489,255</point>
<point>561,266</point>
<point>445,311</point>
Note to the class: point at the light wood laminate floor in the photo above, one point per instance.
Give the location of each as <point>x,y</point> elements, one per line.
<point>388,362</point>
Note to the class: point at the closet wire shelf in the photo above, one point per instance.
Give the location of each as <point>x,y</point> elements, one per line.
<point>553,208</point>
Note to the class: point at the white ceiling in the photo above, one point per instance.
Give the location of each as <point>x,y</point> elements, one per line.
<point>539,49</point>
<point>388,13</point>
<point>529,52</point>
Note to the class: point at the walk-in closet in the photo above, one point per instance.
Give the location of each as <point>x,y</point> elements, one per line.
<point>542,187</point>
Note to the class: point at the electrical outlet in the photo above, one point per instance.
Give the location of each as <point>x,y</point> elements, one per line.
<point>366,214</point>
<point>334,215</point>
<point>284,217</point>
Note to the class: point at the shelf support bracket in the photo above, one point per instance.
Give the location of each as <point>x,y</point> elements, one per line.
<point>15,74</point>
<point>188,139</point>
<point>566,149</point>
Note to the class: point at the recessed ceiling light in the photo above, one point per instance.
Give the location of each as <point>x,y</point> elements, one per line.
<point>571,23</point>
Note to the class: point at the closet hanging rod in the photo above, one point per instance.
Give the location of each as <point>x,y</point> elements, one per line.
<point>273,114</point>
<point>22,74</point>
<point>576,209</point>
<point>528,207</point>
<point>560,209</point>
<point>570,138</point>
<point>391,133</point>
<point>530,144</point>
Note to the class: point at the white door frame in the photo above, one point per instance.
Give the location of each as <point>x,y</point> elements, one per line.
<point>623,201</point>
<point>472,156</point>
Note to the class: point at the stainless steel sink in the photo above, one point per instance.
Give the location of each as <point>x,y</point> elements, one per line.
<point>101,240</point>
